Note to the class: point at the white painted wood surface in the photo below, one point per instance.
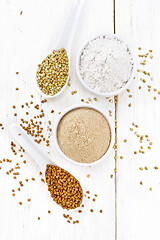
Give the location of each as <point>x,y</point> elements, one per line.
<point>25,41</point>
<point>138,207</point>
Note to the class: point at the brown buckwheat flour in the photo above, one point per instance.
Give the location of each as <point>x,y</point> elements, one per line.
<point>84,135</point>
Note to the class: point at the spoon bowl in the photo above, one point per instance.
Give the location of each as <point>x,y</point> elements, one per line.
<point>58,93</point>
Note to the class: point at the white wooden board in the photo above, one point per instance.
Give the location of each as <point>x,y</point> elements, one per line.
<point>24,42</point>
<point>130,210</point>
<point>138,207</point>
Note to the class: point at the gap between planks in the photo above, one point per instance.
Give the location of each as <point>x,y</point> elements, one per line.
<point>115,100</point>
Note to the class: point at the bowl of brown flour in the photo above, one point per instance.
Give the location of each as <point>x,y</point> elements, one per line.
<point>83,135</point>
<point>105,65</point>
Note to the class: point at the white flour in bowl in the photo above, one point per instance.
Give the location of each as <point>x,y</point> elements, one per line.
<point>106,64</point>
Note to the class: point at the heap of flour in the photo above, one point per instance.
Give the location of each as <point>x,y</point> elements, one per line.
<point>106,64</point>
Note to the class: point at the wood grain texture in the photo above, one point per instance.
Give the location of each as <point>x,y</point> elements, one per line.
<point>138,207</point>
<point>25,41</point>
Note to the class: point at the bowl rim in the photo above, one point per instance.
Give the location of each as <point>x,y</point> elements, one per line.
<point>76,106</point>
<point>107,94</point>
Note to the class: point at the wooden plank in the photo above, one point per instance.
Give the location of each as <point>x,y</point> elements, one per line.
<point>25,42</point>
<point>138,207</point>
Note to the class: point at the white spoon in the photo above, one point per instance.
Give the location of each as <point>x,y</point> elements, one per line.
<point>31,148</point>
<point>66,39</point>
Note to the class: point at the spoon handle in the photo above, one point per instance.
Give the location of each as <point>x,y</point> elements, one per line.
<point>70,26</point>
<point>29,146</point>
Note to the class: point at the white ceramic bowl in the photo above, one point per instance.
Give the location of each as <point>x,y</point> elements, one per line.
<point>107,94</point>
<point>56,140</point>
